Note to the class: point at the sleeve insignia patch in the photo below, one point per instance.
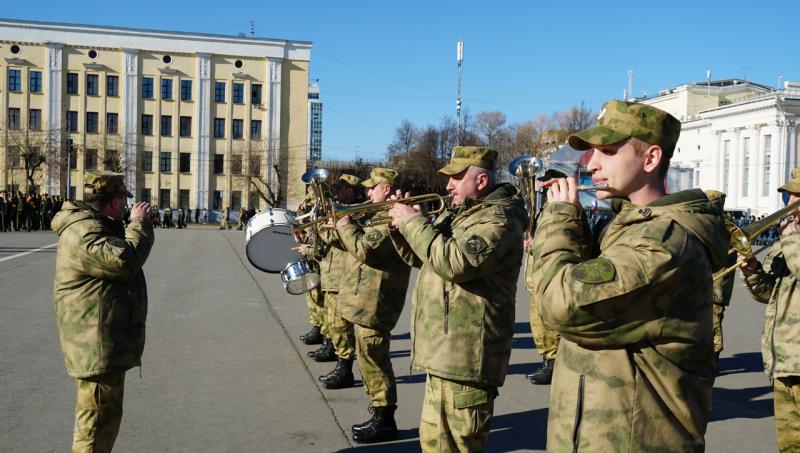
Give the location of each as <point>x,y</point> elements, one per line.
<point>374,237</point>
<point>599,270</point>
<point>475,245</point>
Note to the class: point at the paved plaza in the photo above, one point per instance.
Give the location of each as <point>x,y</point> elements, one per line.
<point>224,371</point>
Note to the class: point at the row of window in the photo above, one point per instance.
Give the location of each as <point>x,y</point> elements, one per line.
<point>765,168</point>
<point>93,122</point>
<point>185,124</point>
<point>164,199</point>
<point>112,87</point>
<point>184,163</point>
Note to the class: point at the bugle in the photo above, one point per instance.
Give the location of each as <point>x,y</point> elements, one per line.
<point>371,214</point>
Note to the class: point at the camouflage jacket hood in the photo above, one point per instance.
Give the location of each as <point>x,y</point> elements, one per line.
<point>776,284</point>
<point>463,300</point>
<point>635,363</point>
<point>100,294</point>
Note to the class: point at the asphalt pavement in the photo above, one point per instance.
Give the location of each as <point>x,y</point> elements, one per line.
<point>224,370</point>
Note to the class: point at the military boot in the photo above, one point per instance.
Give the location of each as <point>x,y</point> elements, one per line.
<point>341,378</point>
<point>331,372</point>
<point>361,426</point>
<point>312,337</point>
<point>544,375</point>
<point>326,352</point>
<point>380,428</point>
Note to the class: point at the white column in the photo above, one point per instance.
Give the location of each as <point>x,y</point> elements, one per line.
<point>130,118</point>
<point>53,115</point>
<point>203,115</point>
<point>735,180</point>
<point>274,123</point>
<point>719,163</point>
<point>778,170</point>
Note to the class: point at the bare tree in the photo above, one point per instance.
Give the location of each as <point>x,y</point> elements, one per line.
<point>255,174</point>
<point>574,119</point>
<point>32,149</point>
<point>405,137</point>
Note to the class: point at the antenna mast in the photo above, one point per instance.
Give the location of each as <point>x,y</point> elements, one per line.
<point>459,59</point>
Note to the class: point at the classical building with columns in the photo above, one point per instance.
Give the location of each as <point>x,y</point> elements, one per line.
<point>737,137</point>
<point>194,120</point>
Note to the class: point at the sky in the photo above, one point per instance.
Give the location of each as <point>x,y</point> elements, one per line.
<point>379,62</point>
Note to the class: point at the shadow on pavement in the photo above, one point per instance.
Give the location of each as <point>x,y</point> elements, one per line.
<point>728,404</point>
<point>746,362</point>
<point>522,327</point>
<point>402,336</point>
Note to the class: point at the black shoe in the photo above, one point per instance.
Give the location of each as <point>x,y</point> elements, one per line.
<point>312,337</point>
<point>331,372</point>
<point>315,351</point>
<point>360,426</point>
<point>544,375</point>
<point>342,378</point>
<point>380,428</point>
<point>326,353</point>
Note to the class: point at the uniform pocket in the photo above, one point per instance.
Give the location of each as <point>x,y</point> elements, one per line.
<point>474,409</point>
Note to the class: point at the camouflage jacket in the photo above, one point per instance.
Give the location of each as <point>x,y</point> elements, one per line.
<point>331,261</point>
<point>635,363</point>
<point>463,302</point>
<point>775,283</point>
<point>100,293</point>
<point>372,290</point>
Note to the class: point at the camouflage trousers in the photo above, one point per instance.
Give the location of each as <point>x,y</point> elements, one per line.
<point>544,338</point>
<point>787,413</point>
<point>375,365</point>
<point>340,330</point>
<point>316,310</point>
<point>456,416</point>
<point>98,412</point>
<point>717,313</point>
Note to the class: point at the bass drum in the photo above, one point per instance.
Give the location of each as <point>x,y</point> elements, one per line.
<point>300,277</point>
<point>269,240</point>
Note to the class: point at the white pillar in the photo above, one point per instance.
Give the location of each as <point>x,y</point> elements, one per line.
<point>274,126</point>
<point>734,178</point>
<point>203,115</point>
<point>54,77</point>
<point>130,118</point>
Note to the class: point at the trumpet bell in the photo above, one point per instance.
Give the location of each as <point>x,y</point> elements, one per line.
<point>525,166</point>
<point>315,175</point>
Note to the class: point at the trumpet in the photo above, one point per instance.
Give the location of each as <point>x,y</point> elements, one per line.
<point>371,214</point>
<point>599,186</point>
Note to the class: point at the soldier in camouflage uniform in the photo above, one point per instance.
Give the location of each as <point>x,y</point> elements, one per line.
<point>775,283</point>
<point>723,287</point>
<point>224,223</point>
<point>314,300</point>
<point>463,313</point>
<point>101,302</point>
<point>372,293</point>
<point>636,359</point>
<point>242,218</point>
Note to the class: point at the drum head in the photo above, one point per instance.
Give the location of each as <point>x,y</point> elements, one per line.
<point>271,248</point>
<point>303,284</point>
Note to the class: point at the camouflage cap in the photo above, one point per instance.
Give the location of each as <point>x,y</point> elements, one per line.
<point>716,197</point>
<point>98,182</point>
<point>793,184</point>
<point>621,120</point>
<point>379,175</point>
<point>464,157</point>
<point>350,180</point>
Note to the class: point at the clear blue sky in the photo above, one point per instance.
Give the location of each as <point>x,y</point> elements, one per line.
<point>380,62</point>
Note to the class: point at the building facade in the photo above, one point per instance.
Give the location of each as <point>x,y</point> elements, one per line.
<point>314,125</point>
<point>194,120</point>
<point>737,137</point>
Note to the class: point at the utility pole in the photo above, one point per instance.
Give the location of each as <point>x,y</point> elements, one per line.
<point>459,59</point>
<point>69,146</point>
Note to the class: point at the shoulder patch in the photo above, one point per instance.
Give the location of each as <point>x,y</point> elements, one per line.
<point>475,245</point>
<point>598,270</point>
<point>374,236</point>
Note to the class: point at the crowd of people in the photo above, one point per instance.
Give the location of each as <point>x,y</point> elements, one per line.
<point>32,212</point>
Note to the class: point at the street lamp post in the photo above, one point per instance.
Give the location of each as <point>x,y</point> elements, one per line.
<point>69,146</point>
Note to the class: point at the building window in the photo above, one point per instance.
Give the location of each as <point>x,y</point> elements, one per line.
<point>183,199</point>
<point>91,122</point>
<point>186,126</point>
<point>217,200</point>
<point>73,157</point>
<point>147,161</point>
<point>72,121</point>
<point>35,81</point>
<point>219,166</point>
<point>166,89</point>
<point>236,200</point>
<point>147,87</point>
<point>255,129</point>
<point>767,164</point>
<point>185,166</point>
<point>147,124</point>
<point>72,83</point>
<point>219,127</point>
<point>90,159</point>
<point>163,198</point>
<point>146,195</point>
<point>112,160</point>
<point>238,93</point>
<point>219,91</point>
<point>14,80</point>
<point>236,164</point>
<point>186,90</point>
<point>165,162</point>
<point>92,84</point>
<point>112,85</point>
<point>745,166</point>
<point>255,166</point>
<point>237,127</point>
<point>252,200</point>
<point>12,157</point>
<point>112,123</point>
<point>166,125</point>
<point>13,118</point>
<point>35,119</point>
<point>255,93</point>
